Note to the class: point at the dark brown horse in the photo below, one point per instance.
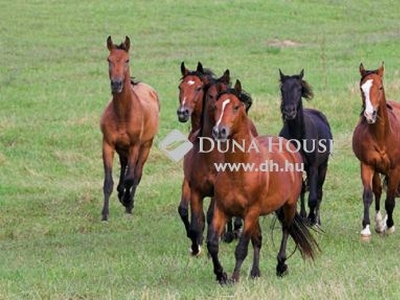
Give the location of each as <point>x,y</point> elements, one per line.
<point>309,130</point>
<point>129,124</point>
<point>250,193</point>
<point>376,143</point>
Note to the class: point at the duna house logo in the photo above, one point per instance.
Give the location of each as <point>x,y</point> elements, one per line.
<point>175,145</point>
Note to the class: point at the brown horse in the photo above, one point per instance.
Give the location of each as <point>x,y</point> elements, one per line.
<point>250,193</point>
<point>376,143</point>
<point>198,168</point>
<point>129,124</point>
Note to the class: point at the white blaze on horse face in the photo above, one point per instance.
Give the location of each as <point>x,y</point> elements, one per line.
<point>224,104</point>
<point>191,82</point>
<point>369,109</point>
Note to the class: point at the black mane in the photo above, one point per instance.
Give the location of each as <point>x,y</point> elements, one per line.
<point>243,96</point>
<point>206,72</point>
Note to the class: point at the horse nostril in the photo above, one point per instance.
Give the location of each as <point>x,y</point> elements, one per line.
<point>223,132</point>
<point>215,132</point>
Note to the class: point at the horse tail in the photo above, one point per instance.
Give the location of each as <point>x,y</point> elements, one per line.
<point>303,238</point>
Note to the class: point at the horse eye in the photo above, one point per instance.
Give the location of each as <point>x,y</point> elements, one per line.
<point>236,108</point>
<point>198,89</point>
<point>127,61</point>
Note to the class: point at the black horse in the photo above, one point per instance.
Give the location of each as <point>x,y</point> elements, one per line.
<point>309,130</point>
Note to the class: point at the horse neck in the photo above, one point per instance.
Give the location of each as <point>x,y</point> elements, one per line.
<point>381,127</point>
<point>244,137</point>
<point>195,118</point>
<point>296,126</point>
<point>122,102</point>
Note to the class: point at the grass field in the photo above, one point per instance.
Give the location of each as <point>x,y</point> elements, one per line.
<point>54,86</point>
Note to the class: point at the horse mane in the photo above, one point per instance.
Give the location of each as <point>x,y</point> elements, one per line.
<point>367,73</point>
<point>134,81</point>
<point>307,92</point>
<point>243,96</point>
<point>306,89</point>
<point>121,47</point>
<point>206,72</point>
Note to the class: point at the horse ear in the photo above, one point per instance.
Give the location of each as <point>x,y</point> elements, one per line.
<point>281,75</point>
<point>184,71</point>
<point>200,67</point>
<point>226,77</point>
<point>238,86</point>
<point>301,74</point>
<point>127,43</point>
<point>381,69</point>
<point>110,44</point>
<point>362,70</point>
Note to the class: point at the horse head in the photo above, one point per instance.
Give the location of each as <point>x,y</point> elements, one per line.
<point>191,91</point>
<point>229,112</point>
<point>118,64</point>
<point>293,88</point>
<point>372,92</point>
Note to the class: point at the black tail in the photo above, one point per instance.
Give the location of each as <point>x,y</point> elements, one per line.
<point>303,238</point>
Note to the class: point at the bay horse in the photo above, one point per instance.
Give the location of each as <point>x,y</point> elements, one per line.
<point>199,169</point>
<point>253,193</point>
<point>129,124</point>
<point>310,131</point>
<point>376,144</point>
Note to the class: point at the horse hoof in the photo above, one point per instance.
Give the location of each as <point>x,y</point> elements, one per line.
<point>282,270</point>
<point>193,253</point>
<point>366,232</point>
<point>391,230</point>
<point>222,278</point>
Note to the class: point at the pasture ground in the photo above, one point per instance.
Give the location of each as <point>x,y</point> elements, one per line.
<point>54,86</point>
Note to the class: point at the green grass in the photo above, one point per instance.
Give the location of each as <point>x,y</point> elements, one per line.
<point>54,86</point>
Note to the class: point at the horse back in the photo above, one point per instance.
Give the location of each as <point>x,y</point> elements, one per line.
<point>315,118</point>
<point>149,110</point>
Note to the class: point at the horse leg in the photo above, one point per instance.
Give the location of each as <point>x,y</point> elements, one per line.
<point>237,224</point>
<point>120,187</point>
<point>367,173</point>
<point>196,227</point>
<point>135,169</point>
<point>108,155</point>
<point>321,179</point>
<point>256,241</point>
<point>214,232</point>
<point>312,197</point>
<point>393,183</point>
<point>285,216</point>
<point>251,231</point>
<point>183,205</point>
<point>377,191</point>
<point>228,237</point>
<point>129,180</point>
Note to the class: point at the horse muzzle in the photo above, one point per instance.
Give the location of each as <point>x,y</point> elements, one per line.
<point>289,113</point>
<point>220,133</point>
<point>117,86</point>
<point>183,114</point>
<point>370,117</point>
